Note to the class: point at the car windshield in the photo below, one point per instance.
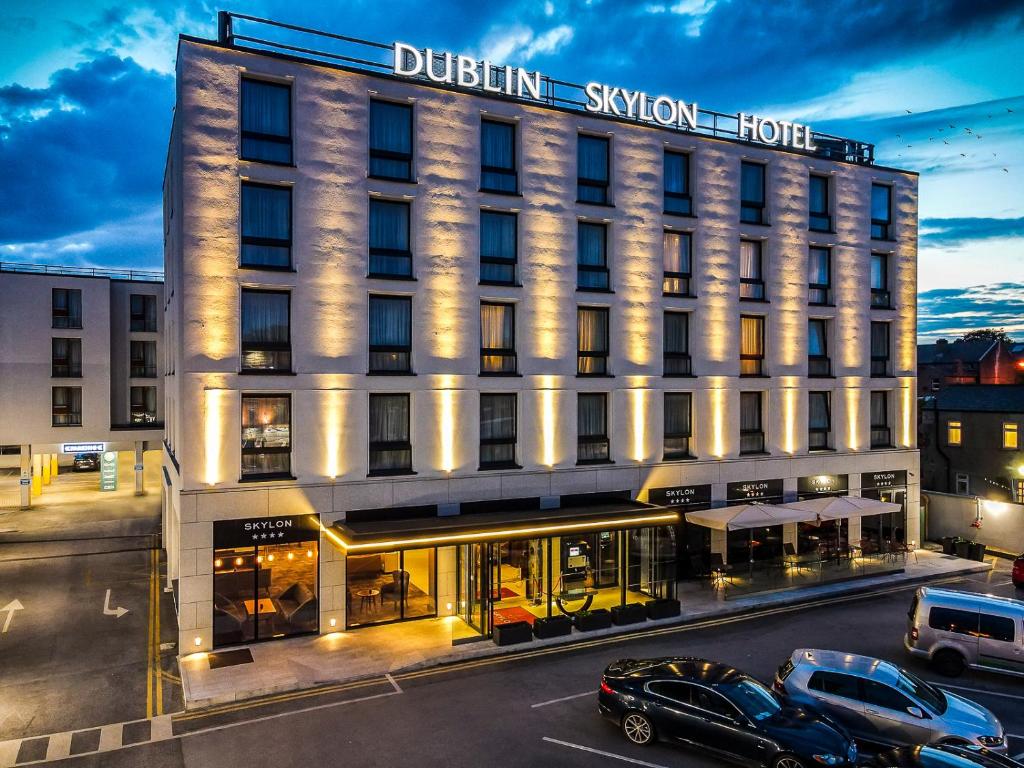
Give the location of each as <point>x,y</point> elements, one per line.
<point>932,698</point>
<point>753,699</point>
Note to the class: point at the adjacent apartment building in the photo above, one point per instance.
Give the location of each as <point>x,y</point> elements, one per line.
<point>432,346</point>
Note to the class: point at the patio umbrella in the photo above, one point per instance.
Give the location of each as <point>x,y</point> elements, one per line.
<point>842,507</point>
<point>745,516</point>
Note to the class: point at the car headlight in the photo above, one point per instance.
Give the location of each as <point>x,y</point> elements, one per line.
<point>990,741</point>
<point>828,759</point>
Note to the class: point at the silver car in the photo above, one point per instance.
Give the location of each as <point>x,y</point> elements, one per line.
<point>881,704</point>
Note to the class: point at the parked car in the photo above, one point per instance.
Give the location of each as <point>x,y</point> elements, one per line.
<point>882,704</point>
<point>942,756</point>
<point>717,709</point>
<point>87,462</point>
<point>955,630</point>
<point>1018,572</point>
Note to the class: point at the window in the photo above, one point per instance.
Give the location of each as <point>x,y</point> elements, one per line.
<point>498,248</point>
<point>143,360</point>
<point>498,157</point>
<point>592,256</point>
<point>266,331</point>
<point>266,121</point>
<point>963,484</point>
<point>953,620</point>
<point>1010,439</point>
<point>880,296</point>
<point>678,425</point>
<point>592,428</point>
<point>677,344</point>
<point>835,684</point>
<point>752,193</point>
<point>66,406</point>
<point>143,313</point>
<point>998,628</point>
<point>390,250</point>
<point>819,278</point>
<point>390,449</point>
<point>881,212</point>
<point>676,252</point>
<point>266,226</point>
<point>143,405</point>
<point>751,430</point>
<point>818,361</point>
<point>66,358</point>
<point>497,338</point>
<point>1018,491</point>
<point>819,420</point>
<point>751,270</point>
<point>266,436</point>
<point>497,431</point>
<point>67,308</point>
<point>954,433</point>
<point>880,433</point>
<point>592,169</point>
<point>591,341</point>
<point>884,696</point>
<point>818,217</point>
<point>751,345</point>
<point>390,334</point>
<point>390,140</point>
<point>880,349</point>
<point>677,184</point>
<point>673,690</point>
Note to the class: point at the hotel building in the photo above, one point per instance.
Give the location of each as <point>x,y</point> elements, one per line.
<point>437,350</point>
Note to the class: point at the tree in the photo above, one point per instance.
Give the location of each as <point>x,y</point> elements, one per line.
<point>986,334</point>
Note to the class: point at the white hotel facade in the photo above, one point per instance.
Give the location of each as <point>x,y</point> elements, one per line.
<point>453,348</point>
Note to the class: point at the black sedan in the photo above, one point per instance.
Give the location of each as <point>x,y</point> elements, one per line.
<point>720,710</point>
<point>87,462</point>
<point>943,756</point>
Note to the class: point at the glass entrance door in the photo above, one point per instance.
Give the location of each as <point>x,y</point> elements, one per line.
<point>474,586</point>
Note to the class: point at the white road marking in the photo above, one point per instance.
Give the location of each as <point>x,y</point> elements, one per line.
<point>394,684</point>
<point>612,755</point>
<point>160,728</point>
<point>108,611</point>
<point>111,737</point>
<point>10,608</point>
<point>981,691</point>
<point>564,698</point>
<point>9,752</point>
<point>59,746</point>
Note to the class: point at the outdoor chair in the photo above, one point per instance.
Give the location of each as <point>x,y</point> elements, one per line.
<point>721,572</point>
<point>791,559</point>
<point>398,589</point>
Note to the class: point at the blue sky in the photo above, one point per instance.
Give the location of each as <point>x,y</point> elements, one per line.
<point>86,92</point>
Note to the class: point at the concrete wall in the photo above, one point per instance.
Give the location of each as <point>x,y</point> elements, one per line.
<point>1002,524</point>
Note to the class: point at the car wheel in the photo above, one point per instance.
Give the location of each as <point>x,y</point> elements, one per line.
<point>787,761</point>
<point>638,728</point>
<point>948,663</point>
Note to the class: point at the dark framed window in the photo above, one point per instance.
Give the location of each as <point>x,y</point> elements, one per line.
<point>678,425</point>
<point>266,436</point>
<point>142,405</point>
<point>66,406</point>
<point>752,270</point>
<point>881,297</point>
<point>592,174</point>
<point>880,349</point>
<point>497,338</point>
<point>752,193</point>
<point>497,431</point>
<point>390,447</point>
<point>143,313</point>
<point>818,361</point>
<point>499,250</point>
<point>819,420</point>
<point>143,359</point>
<point>266,121</point>
<point>677,255</point>
<point>881,212</point>
<point>498,157</point>
<point>677,183</point>
<point>66,307</point>
<point>390,334</point>
<point>751,345</point>
<point>592,341</point>
<point>881,434</point>
<point>751,425</point>
<point>266,226</point>
<point>266,330</point>
<point>819,275</point>
<point>592,256</point>
<point>390,140</point>
<point>390,239</point>
<point>819,218</point>
<point>676,344</point>
<point>592,445</point>
<point>66,358</point>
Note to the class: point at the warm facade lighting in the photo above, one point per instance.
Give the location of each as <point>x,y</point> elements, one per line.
<point>332,425</point>
<point>789,400</point>
<point>447,430</point>
<point>718,423</point>
<point>853,418</point>
<point>908,412</point>
<point>547,401</point>
<point>639,422</point>
<point>214,434</point>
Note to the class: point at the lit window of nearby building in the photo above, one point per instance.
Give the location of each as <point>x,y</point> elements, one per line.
<point>497,431</point>
<point>954,433</point>
<point>677,184</point>
<point>1010,437</point>
<point>751,424</point>
<point>818,361</point>
<point>142,405</point>
<point>751,345</point>
<point>881,434</point>
<point>66,406</point>
<point>266,436</point>
<point>881,212</point>
<point>881,297</point>
<point>498,248</point>
<point>752,193</point>
<point>266,121</point>
<point>751,270</point>
<point>66,307</point>
<point>676,344</point>
<point>819,216</point>
<point>497,338</point>
<point>819,420</point>
<point>1018,491</point>
<point>963,484</point>
<point>678,425</point>
<point>677,255</point>
<point>390,140</point>
<point>266,330</point>
<point>498,157</point>
<point>66,358</point>
<point>880,349</point>
<point>390,447</point>
<point>819,280</point>
<point>143,359</point>
<point>592,444</point>
<point>390,248</point>
<point>592,169</point>
<point>592,341</point>
<point>266,226</point>
<point>592,256</point>
<point>390,334</point>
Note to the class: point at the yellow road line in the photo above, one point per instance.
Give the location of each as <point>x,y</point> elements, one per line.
<point>157,666</point>
<point>149,643</point>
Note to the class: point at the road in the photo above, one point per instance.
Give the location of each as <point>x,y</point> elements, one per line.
<point>537,709</point>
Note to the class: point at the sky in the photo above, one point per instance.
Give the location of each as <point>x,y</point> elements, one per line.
<point>87,92</point>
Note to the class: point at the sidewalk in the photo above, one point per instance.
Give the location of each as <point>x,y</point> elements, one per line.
<point>288,665</point>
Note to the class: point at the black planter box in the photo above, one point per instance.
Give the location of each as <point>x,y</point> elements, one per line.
<point>630,613</point>
<point>949,545</point>
<point>555,626</point>
<point>976,551</point>
<point>512,633</point>
<point>599,618</point>
<point>663,608</point>
<point>962,548</point>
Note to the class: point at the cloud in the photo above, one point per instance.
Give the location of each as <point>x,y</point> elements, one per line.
<point>956,232</point>
<point>519,43</point>
<point>948,313</point>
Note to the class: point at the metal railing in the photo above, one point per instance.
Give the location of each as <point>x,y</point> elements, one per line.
<point>56,269</point>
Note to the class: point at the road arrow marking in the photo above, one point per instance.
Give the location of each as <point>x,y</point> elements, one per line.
<point>10,608</point>
<point>108,611</point>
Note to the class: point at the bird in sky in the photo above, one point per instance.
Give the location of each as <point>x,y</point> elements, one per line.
<point>909,112</point>
<point>1008,110</point>
<point>1005,171</point>
<point>962,155</point>
<point>945,142</point>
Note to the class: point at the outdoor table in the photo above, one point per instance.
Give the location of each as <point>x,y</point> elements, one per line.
<point>266,605</point>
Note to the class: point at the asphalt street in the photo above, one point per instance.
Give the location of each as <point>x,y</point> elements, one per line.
<point>539,709</point>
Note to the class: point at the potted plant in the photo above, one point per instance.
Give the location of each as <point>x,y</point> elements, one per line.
<point>948,545</point>
<point>513,632</point>
<point>587,621</point>
<point>552,626</point>
<point>962,548</point>
<point>663,608</point>
<point>976,551</point>
<point>630,613</point>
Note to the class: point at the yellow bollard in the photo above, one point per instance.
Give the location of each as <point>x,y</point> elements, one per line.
<point>45,461</point>
<point>53,465</point>
<point>37,474</point>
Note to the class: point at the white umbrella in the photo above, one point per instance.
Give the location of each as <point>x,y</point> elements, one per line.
<point>839,507</point>
<point>743,516</point>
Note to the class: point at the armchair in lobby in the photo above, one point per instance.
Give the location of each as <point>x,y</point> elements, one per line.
<point>398,589</point>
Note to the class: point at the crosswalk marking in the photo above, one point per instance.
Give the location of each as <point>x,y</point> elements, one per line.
<point>59,746</point>
<point>111,736</point>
